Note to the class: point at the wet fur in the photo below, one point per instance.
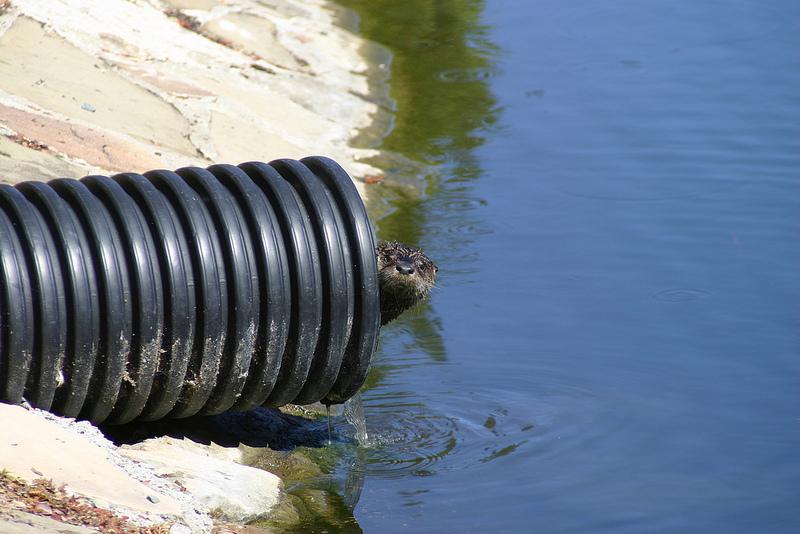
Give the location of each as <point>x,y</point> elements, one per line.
<point>400,291</point>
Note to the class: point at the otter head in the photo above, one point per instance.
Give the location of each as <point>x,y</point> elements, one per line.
<point>406,277</point>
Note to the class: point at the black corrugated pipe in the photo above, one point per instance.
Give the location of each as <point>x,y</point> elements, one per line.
<point>171,294</point>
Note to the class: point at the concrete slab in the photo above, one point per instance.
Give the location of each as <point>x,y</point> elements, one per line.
<point>45,69</point>
<point>19,163</point>
<point>16,522</point>
<point>99,148</point>
<point>226,135</point>
<point>212,475</point>
<point>254,35</point>
<point>192,4</point>
<point>31,448</point>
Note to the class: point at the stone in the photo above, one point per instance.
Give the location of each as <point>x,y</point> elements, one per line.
<point>68,458</point>
<point>96,148</point>
<point>179,528</point>
<point>18,163</point>
<point>211,475</point>
<point>17,522</point>
<point>255,35</point>
<point>28,70</point>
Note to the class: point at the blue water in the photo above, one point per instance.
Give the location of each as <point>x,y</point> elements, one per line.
<point>614,345</point>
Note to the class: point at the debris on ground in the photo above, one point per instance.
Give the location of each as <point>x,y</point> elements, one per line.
<point>42,498</point>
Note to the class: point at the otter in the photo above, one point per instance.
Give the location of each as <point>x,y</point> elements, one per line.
<point>406,276</point>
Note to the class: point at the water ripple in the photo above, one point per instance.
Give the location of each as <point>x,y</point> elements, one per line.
<point>681,294</point>
<point>409,441</point>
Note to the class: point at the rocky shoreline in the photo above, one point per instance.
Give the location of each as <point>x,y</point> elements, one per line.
<point>93,86</point>
<point>202,474</point>
<point>105,86</point>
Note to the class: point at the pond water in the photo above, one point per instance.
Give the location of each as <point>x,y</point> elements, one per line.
<point>612,194</point>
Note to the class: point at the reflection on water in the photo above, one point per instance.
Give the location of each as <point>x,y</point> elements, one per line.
<point>436,120</point>
<point>441,65</point>
<point>611,191</point>
<point>439,70</point>
<point>441,62</point>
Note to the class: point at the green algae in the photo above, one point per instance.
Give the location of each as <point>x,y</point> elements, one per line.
<point>311,500</point>
<point>441,62</point>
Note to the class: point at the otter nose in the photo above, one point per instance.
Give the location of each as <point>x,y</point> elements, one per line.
<point>404,267</point>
